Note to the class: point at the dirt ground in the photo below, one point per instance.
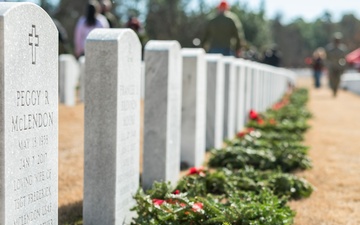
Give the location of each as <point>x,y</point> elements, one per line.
<point>335,151</point>
<point>71,162</point>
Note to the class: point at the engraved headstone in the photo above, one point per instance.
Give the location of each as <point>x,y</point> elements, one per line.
<point>68,79</point>
<point>193,117</point>
<point>162,112</point>
<point>229,97</point>
<point>29,115</point>
<point>215,101</point>
<point>112,125</point>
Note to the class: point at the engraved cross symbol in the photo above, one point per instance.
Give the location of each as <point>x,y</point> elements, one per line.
<point>33,42</point>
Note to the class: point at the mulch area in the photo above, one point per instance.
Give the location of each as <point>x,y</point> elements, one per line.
<point>334,140</point>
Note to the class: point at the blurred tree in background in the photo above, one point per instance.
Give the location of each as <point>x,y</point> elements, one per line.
<point>184,20</point>
<point>257,29</point>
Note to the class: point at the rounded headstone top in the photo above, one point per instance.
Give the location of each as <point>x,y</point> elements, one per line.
<point>26,8</point>
<point>213,57</point>
<point>240,61</point>
<point>160,45</point>
<point>66,56</point>
<point>110,34</point>
<point>228,59</point>
<point>188,52</point>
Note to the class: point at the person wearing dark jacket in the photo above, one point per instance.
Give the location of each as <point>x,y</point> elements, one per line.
<point>224,33</point>
<point>336,62</point>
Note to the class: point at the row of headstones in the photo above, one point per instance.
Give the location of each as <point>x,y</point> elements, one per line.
<point>29,112</point>
<point>237,86</point>
<point>190,99</point>
<point>193,101</point>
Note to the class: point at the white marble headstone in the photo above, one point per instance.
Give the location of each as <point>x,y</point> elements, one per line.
<point>162,112</point>
<point>29,115</point>
<point>68,79</point>
<point>240,95</point>
<point>255,87</point>
<point>267,88</point>
<point>264,105</point>
<point>229,97</point>
<point>215,101</point>
<point>112,125</point>
<point>193,127</point>
<point>248,88</point>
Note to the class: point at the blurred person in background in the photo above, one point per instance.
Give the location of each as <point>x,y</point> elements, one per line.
<point>106,6</point>
<point>336,63</point>
<point>91,20</point>
<point>134,24</point>
<point>272,56</point>
<point>224,33</point>
<point>317,65</point>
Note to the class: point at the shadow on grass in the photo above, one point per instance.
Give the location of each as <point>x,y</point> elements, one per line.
<point>71,214</point>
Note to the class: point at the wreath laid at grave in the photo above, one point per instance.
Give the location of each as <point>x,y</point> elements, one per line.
<point>247,182</point>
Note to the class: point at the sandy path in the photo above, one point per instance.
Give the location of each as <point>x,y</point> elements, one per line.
<point>71,154</point>
<point>335,150</point>
<point>71,161</point>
